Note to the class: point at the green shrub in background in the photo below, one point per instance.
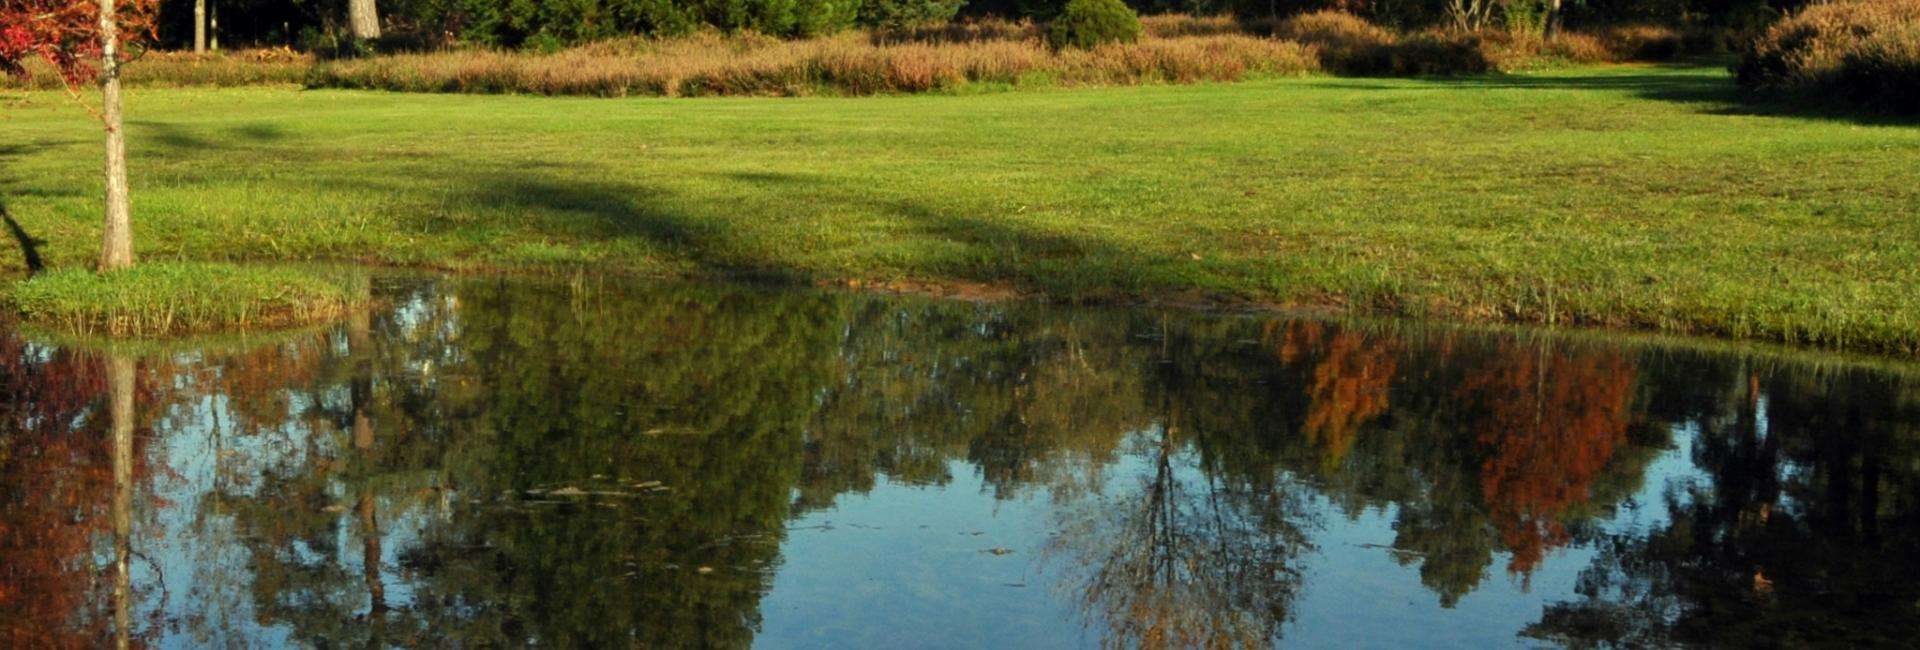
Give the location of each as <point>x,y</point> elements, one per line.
<point>1085,24</point>
<point>901,14</point>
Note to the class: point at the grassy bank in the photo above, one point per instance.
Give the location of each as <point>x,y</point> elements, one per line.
<point>174,298</point>
<point>1624,196</point>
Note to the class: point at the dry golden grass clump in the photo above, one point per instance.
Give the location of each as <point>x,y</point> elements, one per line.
<point>1866,51</point>
<point>1173,48</point>
<point>1348,44</point>
<point>847,64</point>
<point>158,68</point>
<point>1644,42</point>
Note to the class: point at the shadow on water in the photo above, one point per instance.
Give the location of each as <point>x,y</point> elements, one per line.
<point>495,462</point>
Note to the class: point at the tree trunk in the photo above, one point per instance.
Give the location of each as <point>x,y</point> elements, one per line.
<point>1553,20</point>
<point>365,19</point>
<point>116,238</point>
<point>199,26</point>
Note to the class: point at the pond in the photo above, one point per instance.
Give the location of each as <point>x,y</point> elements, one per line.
<point>488,462</point>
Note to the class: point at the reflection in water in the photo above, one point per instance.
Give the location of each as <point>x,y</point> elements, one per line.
<point>499,463</point>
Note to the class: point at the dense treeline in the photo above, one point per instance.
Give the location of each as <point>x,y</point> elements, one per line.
<point>319,24</point>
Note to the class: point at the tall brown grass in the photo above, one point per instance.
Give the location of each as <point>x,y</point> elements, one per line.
<point>1866,51</point>
<point>848,64</point>
<point>1173,49</point>
<point>1348,44</point>
<point>233,68</point>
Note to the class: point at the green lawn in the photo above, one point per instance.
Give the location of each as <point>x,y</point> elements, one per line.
<point>1638,197</point>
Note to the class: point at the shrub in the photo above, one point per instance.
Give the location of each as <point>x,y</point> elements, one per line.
<point>1086,24</point>
<point>1578,48</point>
<point>1439,53</point>
<point>1864,51</point>
<point>1346,43</point>
<point>1644,42</point>
<point>902,14</point>
<point>1332,30</point>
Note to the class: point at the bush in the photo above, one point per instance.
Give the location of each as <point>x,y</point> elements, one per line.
<point>1439,53</point>
<point>902,14</point>
<point>1864,51</point>
<point>1086,24</point>
<point>1348,44</point>
<point>1644,42</point>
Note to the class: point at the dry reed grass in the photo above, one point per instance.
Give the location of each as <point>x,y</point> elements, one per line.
<point>1174,49</point>
<point>175,69</point>
<point>847,64</point>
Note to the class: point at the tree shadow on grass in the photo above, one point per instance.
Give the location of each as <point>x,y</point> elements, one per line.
<point>1715,94</point>
<point>28,244</point>
<point>568,203</point>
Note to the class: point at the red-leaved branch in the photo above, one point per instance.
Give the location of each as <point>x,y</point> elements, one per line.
<point>66,34</point>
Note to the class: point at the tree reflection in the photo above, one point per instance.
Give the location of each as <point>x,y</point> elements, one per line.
<point>1800,532</point>
<point>501,463</point>
<point>55,487</point>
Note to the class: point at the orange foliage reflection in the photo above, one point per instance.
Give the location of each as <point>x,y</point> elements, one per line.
<point>1350,381</point>
<point>1549,422</point>
<point>55,487</point>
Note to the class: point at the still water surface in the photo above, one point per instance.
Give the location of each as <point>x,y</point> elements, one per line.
<point>488,462</point>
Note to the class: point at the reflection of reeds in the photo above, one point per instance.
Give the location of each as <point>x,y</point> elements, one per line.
<point>851,64</point>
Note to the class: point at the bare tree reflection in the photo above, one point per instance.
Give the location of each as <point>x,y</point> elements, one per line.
<point>1189,559</point>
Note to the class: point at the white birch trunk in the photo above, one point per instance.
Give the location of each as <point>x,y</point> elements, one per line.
<point>116,237</point>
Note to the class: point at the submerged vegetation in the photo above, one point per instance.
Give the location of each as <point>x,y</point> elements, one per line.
<point>172,298</point>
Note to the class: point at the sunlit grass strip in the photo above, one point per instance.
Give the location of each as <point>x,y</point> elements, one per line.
<point>173,298</point>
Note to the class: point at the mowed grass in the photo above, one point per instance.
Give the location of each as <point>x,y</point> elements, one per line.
<point>1640,197</point>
